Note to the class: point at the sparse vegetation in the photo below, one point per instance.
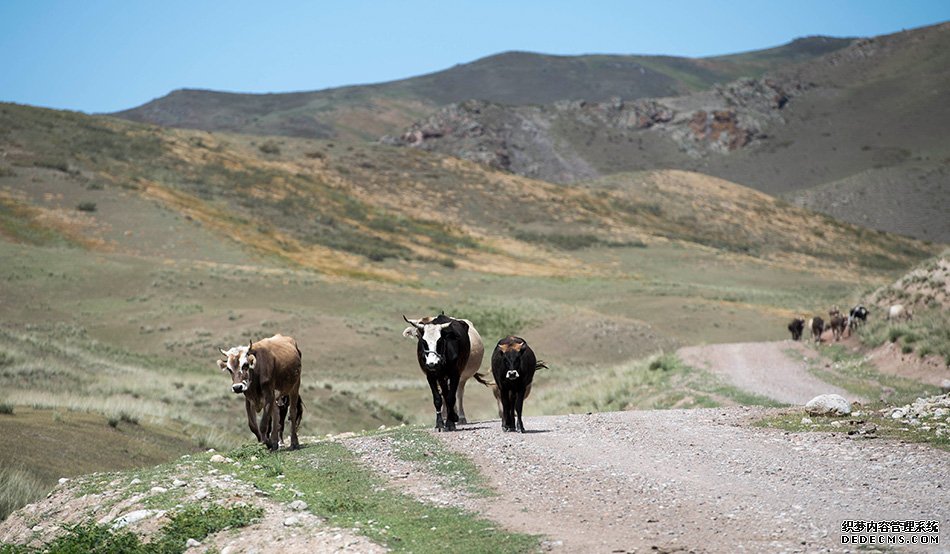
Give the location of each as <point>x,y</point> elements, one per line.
<point>86,206</point>
<point>350,496</point>
<point>18,488</point>
<point>853,373</point>
<point>416,444</point>
<point>191,522</point>
<point>658,382</point>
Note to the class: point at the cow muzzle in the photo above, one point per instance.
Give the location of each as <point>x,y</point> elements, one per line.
<point>512,374</point>
<point>433,359</point>
<point>239,387</point>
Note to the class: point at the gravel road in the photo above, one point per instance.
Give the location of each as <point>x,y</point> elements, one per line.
<point>697,481</point>
<point>776,370</point>
<point>691,480</point>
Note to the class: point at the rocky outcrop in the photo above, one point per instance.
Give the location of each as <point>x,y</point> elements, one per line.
<point>549,141</point>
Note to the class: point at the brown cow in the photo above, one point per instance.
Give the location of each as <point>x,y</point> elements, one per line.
<point>265,372</point>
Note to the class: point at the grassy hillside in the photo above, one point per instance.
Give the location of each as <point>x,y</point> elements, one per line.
<point>133,253</point>
<point>370,111</point>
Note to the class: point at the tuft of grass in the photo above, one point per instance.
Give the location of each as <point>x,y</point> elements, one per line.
<point>17,489</point>
<point>86,206</point>
<point>6,408</point>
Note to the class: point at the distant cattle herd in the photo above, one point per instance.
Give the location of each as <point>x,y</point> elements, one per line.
<point>449,351</point>
<point>839,324</point>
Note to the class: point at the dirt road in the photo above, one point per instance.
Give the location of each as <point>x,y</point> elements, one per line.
<point>697,481</point>
<point>777,370</point>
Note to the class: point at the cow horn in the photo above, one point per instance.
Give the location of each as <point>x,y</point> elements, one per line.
<point>413,323</point>
<point>222,351</point>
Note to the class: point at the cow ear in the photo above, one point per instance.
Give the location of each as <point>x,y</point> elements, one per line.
<point>222,365</point>
<point>251,360</point>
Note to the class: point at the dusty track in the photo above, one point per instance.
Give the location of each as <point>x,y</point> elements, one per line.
<point>777,370</point>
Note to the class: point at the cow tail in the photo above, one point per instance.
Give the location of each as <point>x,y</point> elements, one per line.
<point>540,365</point>
<point>481,379</point>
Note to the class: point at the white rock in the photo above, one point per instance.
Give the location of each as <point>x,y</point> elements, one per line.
<point>898,413</point>
<point>828,404</point>
<point>191,543</point>
<point>806,421</point>
<point>63,480</point>
<point>945,385</point>
<point>158,490</point>
<point>291,521</point>
<point>178,483</point>
<point>132,517</point>
<point>135,481</point>
<point>217,459</point>
<point>201,495</point>
<point>298,505</point>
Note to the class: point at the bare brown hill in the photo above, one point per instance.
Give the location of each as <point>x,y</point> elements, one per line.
<point>347,210</point>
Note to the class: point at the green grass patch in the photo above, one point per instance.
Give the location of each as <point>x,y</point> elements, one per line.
<point>927,334</point>
<point>416,444</point>
<point>575,241</point>
<point>851,372</point>
<point>339,489</point>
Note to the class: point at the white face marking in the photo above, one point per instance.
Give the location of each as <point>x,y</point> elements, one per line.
<point>431,335</point>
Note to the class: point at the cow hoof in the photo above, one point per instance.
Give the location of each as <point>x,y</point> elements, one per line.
<point>521,429</point>
<point>462,421</point>
<point>505,429</point>
<point>450,426</point>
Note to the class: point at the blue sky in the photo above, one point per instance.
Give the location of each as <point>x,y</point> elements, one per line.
<point>99,56</point>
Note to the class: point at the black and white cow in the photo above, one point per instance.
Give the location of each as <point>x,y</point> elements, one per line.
<point>857,316</point>
<point>443,350</point>
<point>476,353</point>
<point>513,364</point>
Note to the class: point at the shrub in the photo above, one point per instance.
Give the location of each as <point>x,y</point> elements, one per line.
<point>86,206</point>
<point>6,409</point>
<point>269,147</point>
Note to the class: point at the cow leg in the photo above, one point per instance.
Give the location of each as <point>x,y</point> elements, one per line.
<point>436,401</point>
<point>507,409</point>
<point>519,404</point>
<point>284,405</point>
<point>294,401</point>
<point>458,402</point>
<point>252,420</point>
<point>273,438</point>
<point>450,389</point>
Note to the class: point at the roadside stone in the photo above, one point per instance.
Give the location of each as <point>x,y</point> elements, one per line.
<point>298,505</point>
<point>136,516</point>
<point>291,521</point>
<point>218,459</point>
<point>828,404</point>
<point>191,543</point>
<point>157,490</point>
<point>945,385</point>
